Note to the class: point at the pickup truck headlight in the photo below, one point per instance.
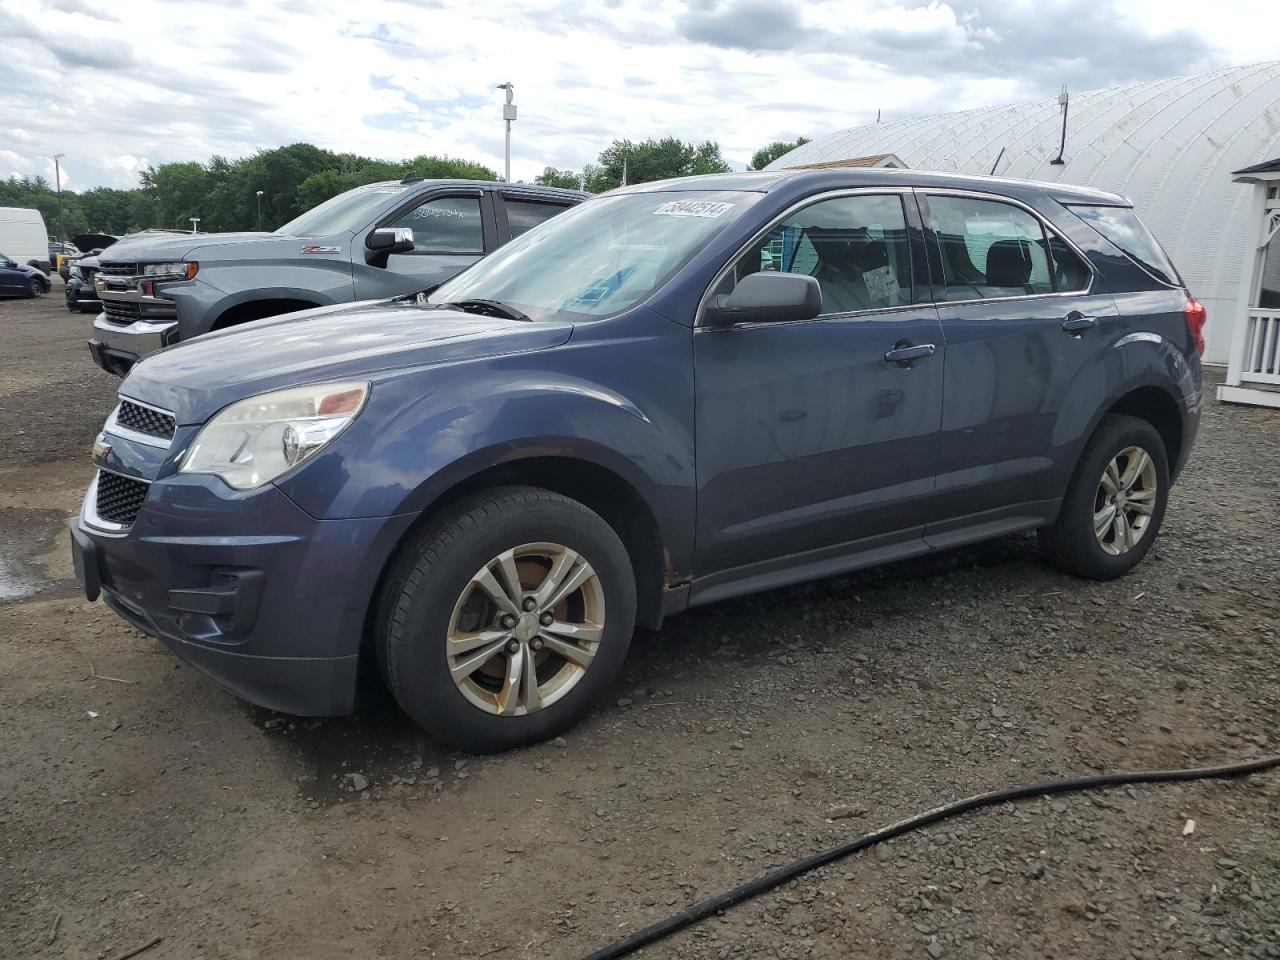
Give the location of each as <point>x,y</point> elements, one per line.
<point>184,270</point>
<point>74,270</point>
<point>253,441</point>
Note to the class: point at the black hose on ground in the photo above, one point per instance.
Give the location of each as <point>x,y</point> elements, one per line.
<point>780,875</point>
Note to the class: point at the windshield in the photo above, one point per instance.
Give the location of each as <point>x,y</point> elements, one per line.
<point>344,213</point>
<point>602,256</point>
<point>1122,227</point>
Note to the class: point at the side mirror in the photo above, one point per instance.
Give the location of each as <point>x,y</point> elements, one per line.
<point>767,298</point>
<point>384,241</point>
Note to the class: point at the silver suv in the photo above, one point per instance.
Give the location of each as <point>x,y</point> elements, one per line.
<point>375,241</point>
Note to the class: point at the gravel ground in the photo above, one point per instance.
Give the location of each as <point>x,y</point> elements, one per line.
<point>745,734</point>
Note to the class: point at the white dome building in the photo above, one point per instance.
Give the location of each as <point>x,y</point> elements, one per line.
<point>1169,145</point>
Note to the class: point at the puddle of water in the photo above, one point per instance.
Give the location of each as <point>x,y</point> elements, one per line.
<point>13,586</point>
<point>28,539</point>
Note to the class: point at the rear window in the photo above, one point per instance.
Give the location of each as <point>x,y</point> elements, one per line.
<point>1122,227</point>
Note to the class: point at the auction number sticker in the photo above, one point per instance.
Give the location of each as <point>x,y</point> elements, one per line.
<point>710,209</point>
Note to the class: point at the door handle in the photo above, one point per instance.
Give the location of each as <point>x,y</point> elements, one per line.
<point>905,355</point>
<point>1078,323</point>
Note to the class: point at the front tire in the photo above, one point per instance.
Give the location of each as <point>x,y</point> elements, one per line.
<point>1115,502</point>
<point>504,620</point>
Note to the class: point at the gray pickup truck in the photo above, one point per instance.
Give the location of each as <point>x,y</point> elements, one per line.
<point>375,241</point>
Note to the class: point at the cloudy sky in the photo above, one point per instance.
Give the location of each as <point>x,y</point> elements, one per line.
<point>119,84</point>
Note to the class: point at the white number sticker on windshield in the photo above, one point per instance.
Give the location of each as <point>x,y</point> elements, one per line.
<point>709,209</point>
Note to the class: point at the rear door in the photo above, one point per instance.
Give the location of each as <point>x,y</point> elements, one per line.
<point>818,439</point>
<point>451,231</point>
<point>1021,325</point>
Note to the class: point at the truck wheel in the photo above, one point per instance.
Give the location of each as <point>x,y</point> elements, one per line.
<point>1114,503</point>
<point>504,620</point>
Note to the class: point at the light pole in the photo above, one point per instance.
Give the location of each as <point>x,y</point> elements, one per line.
<point>508,114</point>
<point>57,176</point>
<point>195,223</point>
<point>259,195</point>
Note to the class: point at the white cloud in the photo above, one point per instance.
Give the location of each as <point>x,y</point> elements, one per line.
<point>393,79</point>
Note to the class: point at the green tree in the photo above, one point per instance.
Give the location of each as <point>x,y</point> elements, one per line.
<point>222,192</point>
<point>181,192</point>
<point>651,160</point>
<point>107,210</point>
<point>551,177</point>
<point>766,155</point>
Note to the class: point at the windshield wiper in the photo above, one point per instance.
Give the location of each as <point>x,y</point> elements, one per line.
<point>491,308</point>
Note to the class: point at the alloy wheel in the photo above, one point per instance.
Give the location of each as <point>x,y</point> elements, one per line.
<point>525,629</point>
<point>1125,501</point>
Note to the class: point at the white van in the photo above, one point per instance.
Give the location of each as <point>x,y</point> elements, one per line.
<point>23,236</point>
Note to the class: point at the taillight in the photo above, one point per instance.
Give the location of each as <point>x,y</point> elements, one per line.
<point>1195,313</point>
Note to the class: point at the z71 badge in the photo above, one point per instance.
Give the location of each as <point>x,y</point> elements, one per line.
<point>320,249</point>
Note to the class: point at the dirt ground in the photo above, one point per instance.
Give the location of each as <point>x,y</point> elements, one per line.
<point>139,800</point>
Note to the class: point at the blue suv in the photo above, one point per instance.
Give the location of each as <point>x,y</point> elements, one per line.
<point>673,394</point>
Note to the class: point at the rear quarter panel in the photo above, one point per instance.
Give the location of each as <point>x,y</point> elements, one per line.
<point>1148,344</point>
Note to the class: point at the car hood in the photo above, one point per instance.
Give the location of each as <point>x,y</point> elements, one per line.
<point>206,247</point>
<point>85,242</point>
<point>197,378</point>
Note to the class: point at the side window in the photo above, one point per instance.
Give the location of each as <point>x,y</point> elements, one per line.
<point>524,215</point>
<point>444,225</point>
<point>1070,273</point>
<point>857,248</point>
<point>990,249</point>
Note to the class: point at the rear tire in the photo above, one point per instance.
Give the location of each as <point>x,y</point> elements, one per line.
<point>476,662</point>
<point>1114,504</point>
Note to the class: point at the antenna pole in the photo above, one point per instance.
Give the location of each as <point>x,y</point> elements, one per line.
<point>999,156</point>
<point>1063,99</point>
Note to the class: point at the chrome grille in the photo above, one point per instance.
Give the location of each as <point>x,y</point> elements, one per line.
<point>119,498</point>
<point>121,311</point>
<point>154,423</point>
<point>117,269</point>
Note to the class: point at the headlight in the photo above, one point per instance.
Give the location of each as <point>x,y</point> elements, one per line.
<point>74,270</point>
<point>184,270</point>
<point>254,441</point>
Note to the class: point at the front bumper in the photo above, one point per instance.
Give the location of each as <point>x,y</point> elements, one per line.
<point>117,347</point>
<point>134,321</point>
<point>245,587</point>
<point>81,295</point>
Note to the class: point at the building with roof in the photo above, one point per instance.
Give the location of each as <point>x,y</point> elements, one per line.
<point>1170,145</point>
<point>1253,370</point>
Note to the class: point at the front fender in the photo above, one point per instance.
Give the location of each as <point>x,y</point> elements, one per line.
<point>220,287</point>
<point>426,431</point>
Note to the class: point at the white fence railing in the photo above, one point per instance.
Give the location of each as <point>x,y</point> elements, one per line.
<point>1262,347</point>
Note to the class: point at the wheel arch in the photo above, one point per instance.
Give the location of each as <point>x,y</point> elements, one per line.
<point>1157,407</point>
<point>601,489</point>
<point>262,307</point>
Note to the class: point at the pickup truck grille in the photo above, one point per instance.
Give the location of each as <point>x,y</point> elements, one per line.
<point>154,423</point>
<point>117,269</point>
<point>121,311</point>
<point>119,497</point>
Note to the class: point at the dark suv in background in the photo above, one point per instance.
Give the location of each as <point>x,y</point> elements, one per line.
<point>673,394</point>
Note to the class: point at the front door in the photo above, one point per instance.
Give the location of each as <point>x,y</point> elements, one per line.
<point>450,233</point>
<point>819,438</point>
<point>1021,326</point>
